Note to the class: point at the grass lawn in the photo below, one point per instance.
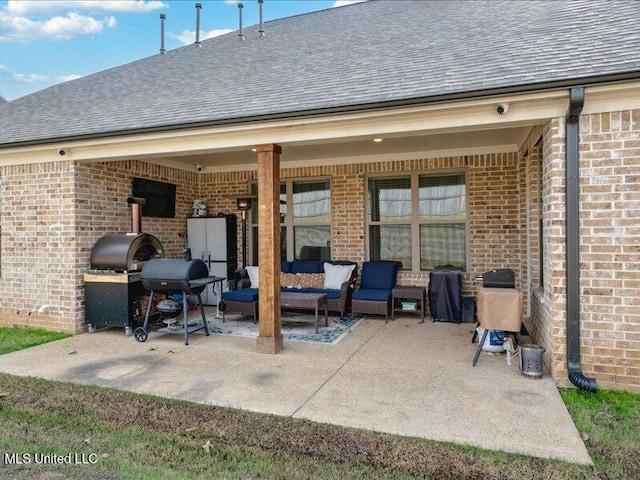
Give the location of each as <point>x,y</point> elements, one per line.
<point>110,434</point>
<point>142,437</point>
<point>610,424</point>
<point>12,339</point>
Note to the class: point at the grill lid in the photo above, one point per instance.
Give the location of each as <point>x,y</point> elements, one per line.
<point>499,278</point>
<point>172,275</point>
<point>125,252</point>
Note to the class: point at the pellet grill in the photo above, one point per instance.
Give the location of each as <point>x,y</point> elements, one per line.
<point>114,294</point>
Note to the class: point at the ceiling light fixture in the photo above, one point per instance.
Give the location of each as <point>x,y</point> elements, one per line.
<point>377,140</point>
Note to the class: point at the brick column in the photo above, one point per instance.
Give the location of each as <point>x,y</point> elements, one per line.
<point>270,335</point>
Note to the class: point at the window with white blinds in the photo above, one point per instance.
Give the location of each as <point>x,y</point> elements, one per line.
<point>418,220</point>
<point>305,220</point>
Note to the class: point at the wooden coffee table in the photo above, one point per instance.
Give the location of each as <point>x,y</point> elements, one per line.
<point>306,301</point>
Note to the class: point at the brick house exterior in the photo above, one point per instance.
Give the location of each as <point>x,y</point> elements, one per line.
<point>53,210</point>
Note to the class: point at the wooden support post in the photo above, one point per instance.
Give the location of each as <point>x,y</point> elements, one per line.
<point>270,334</point>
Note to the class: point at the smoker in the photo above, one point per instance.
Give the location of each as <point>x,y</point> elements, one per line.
<point>175,276</point>
<point>113,287</point>
<point>498,278</point>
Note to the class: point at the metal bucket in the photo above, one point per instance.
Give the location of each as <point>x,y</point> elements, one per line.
<point>531,360</point>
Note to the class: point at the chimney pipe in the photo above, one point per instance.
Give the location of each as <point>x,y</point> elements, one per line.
<point>240,32</point>
<point>136,213</point>
<point>198,8</point>
<point>162,19</point>
<point>261,31</point>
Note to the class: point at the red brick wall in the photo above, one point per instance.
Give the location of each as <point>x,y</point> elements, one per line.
<point>52,215</point>
<point>610,247</point>
<point>609,250</point>
<point>38,246</point>
<point>495,228</point>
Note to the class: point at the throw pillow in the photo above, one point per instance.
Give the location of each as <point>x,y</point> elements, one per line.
<point>311,280</point>
<point>253,276</point>
<point>336,275</point>
<point>289,280</point>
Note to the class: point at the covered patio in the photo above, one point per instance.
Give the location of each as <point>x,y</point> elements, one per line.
<point>299,113</point>
<point>403,377</point>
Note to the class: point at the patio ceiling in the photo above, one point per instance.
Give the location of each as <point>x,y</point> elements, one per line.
<point>359,149</point>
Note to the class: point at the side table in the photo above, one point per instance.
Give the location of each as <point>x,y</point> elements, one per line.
<point>408,293</point>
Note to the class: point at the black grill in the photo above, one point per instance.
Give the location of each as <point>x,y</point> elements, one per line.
<point>172,275</point>
<point>499,278</point>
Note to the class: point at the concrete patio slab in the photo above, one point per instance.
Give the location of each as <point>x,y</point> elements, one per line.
<point>402,377</point>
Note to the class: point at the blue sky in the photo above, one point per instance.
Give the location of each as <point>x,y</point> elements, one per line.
<point>46,42</point>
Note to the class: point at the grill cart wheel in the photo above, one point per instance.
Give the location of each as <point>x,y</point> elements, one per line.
<point>141,334</point>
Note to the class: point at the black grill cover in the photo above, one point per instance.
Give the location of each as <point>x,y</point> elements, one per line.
<point>445,298</point>
<point>125,251</point>
<point>173,275</point>
<point>499,278</point>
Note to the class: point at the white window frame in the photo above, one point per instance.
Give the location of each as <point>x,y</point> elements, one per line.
<point>415,222</point>
<point>289,222</point>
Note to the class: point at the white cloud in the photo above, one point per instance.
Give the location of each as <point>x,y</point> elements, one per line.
<point>28,78</point>
<point>23,29</point>
<point>343,3</point>
<point>62,28</point>
<point>39,7</point>
<point>189,36</point>
<point>23,21</point>
<point>45,80</point>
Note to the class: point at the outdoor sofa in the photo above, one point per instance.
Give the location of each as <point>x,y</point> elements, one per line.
<point>336,278</point>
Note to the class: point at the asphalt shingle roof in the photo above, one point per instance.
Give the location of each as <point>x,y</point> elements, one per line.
<point>378,51</point>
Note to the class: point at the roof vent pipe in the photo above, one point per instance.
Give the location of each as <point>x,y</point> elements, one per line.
<point>198,8</point>
<point>576,102</point>
<point>261,31</point>
<point>240,32</point>
<point>162,19</point>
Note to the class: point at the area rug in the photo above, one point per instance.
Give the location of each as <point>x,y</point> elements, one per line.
<point>296,327</point>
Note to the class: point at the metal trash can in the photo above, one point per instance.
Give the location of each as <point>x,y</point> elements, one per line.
<point>531,360</point>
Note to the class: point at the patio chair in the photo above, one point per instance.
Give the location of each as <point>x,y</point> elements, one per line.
<point>374,295</point>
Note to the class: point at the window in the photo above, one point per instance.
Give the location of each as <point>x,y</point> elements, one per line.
<point>305,220</point>
<point>418,220</point>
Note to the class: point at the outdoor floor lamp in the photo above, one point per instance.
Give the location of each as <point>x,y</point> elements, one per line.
<point>243,202</point>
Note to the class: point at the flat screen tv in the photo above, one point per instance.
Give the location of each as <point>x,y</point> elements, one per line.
<point>160,197</point>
